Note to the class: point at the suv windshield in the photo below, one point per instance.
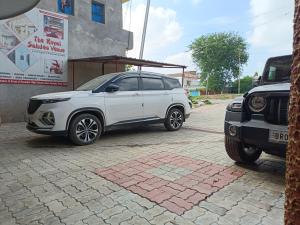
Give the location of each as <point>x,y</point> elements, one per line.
<point>97,82</point>
<point>278,70</point>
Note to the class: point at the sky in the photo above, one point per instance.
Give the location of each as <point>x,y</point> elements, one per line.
<point>266,25</point>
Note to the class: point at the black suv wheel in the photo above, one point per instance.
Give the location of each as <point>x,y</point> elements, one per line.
<point>239,153</point>
<point>85,129</point>
<point>174,120</point>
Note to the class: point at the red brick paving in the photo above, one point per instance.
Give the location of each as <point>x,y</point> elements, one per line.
<point>177,196</point>
<point>186,193</point>
<point>171,206</point>
<point>181,203</point>
<point>196,198</point>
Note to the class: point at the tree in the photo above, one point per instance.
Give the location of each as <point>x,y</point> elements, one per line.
<point>246,84</point>
<point>219,57</point>
<point>292,205</point>
<point>129,67</point>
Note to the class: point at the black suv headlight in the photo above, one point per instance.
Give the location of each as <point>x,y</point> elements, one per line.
<point>49,101</point>
<point>257,103</point>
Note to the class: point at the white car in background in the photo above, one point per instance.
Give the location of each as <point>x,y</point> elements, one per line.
<point>109,101</point>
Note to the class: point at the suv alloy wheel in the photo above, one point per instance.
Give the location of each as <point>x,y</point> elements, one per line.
<point>174,120</point>
<point>85,129</point>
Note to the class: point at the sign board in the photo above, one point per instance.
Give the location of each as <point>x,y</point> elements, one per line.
<point>34,49</point>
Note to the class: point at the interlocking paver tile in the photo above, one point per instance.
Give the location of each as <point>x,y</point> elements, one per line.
<point>117,219</point>
<point>94,220</point>
<point>37,171</point>
<point>194,181</point>
<point>186,193</point>
<point>213,208</point>
<point>181,203</point>
<point>135,221</point>
<point>163,218</point>
<point>196,198</point>
<point>173,207</point>
<point>112,211</point>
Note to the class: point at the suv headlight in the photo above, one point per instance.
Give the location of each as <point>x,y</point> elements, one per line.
<point>257,103</point>
<point>49,101</point>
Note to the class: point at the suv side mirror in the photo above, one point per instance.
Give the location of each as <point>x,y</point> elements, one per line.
<point>112,88</point>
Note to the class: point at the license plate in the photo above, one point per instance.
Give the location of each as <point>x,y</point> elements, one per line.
<point>277,136</point>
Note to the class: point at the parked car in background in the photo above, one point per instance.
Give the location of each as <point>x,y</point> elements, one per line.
<point>258,121</point>
<point>109,101</point>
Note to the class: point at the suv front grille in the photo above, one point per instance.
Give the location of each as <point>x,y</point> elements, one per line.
<point>277,110</point>
<point>33,106</point>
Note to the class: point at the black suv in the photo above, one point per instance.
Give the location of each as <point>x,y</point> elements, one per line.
<point>258,121</point>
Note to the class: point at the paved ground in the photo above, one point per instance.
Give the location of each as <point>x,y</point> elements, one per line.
<point>140,176</point>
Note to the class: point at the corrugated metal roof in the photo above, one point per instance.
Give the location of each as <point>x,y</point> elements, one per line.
<point>127,61</point>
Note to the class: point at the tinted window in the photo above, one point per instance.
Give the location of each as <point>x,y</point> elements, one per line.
<point>172,83</point>
<point>278,69</point>
<point>98,12</point>
<point>151,84</point>
<point>66,6</point>
<point>97,82</point>
<point>128,84</point>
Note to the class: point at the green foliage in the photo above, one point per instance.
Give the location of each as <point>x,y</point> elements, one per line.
<point>129,68</point>
<point>207,102</point>
<point>246,84</point>
<point>219,56</point>
<point>194,99</point>
<point>207,99</point>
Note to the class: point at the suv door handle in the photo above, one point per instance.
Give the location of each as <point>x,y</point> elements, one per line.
<point>136,94</point>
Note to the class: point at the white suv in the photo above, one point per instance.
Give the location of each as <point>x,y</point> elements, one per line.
<point>109,101</point>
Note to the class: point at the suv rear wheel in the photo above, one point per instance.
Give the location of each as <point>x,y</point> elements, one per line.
<point>85,129</point>
<point>239,153</point>
<point>174,120</point>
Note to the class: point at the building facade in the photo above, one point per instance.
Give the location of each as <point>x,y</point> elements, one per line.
<point>191,82</point>
<point>93,28</point>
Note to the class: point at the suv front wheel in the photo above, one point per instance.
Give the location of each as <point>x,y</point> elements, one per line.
<point>85,129</point>
<point>174,120</point>
<point>240,153</point>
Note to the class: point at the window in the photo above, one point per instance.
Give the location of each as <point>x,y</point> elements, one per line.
<point>272,73</point>
<point>278,69</point>
<point>98,12</point>
<point>172,83</point>
<point>128,84</point>
<point>151,84</point>
<point>65,6</point>
<point>97,82</point>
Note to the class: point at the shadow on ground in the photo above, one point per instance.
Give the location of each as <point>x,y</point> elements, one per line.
<point>270,164</point>
<point>64,142</point>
